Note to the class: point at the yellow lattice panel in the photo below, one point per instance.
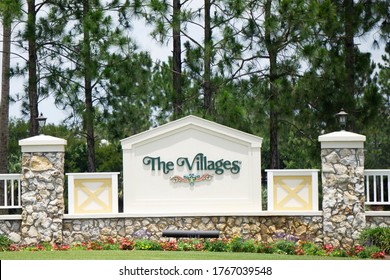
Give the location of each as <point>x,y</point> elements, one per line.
<point>292,193</point>
<point>93,195</point>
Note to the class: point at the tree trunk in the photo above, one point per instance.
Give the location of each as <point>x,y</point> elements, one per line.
<point>274,125</point>
<point>350,64</point>
<point>177,88</point>
<point>208,91</point>
<point>4,108</point>
<point>32,67</point>
<point>89,110</point>
<point>4,103</point>
<point>273,99</point>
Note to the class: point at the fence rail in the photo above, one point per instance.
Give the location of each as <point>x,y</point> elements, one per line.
<point>10,197</point>
<point>377,186</point>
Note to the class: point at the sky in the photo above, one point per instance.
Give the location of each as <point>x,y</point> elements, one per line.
<point>156,50</point>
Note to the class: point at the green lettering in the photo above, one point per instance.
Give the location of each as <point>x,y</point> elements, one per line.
<point>227,165</point>
<point>235,167</point>
<point>218,165</point>
<point>170,166</point>
<point>151,161</point>
<point>158,164</point>
<point>210,165</point>
<point>184,161</point>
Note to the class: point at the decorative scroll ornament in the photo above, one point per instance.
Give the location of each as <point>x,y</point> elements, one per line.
<point>191,178</point>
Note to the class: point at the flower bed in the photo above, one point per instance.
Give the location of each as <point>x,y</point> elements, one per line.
<point>236,244</point>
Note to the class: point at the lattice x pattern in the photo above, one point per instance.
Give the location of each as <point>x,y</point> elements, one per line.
<point>290,190</point>
<point>96,193</point>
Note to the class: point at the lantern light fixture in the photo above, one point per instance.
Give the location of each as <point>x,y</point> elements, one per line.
<point>342,115</point>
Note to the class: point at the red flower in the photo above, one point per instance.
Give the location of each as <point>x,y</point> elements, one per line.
<point>378,255</point>
<point>328,248</point>
<point>358,249</point>
<point>126,244</point>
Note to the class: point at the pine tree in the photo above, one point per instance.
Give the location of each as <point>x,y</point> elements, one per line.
<point>177,61</point>
<point>83,39</point>
<point>31,36</point>
<point>274,32</point>
<point>9,9</point>
<point>201,67</point>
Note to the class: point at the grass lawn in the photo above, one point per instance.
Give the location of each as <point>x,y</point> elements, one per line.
<point>150,255</point>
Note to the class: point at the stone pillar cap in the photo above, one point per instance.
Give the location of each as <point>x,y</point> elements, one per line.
<point>342,139</point>
<point>42,143</point>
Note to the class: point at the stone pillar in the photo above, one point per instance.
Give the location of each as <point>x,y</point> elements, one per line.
<point>42,194</point>
<point>342,157</point>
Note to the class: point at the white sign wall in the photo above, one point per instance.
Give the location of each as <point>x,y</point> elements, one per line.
<point>192,166</point>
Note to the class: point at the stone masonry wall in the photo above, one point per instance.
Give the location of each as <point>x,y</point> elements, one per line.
<point>377,221</point>
<point>42,197</point>
<point>258,228</point>
<point>343,195</point>
<point>11,229</point>
<point>264,228</point>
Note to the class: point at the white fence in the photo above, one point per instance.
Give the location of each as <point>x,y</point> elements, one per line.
<point>377,186</point>
<point>10,191</point>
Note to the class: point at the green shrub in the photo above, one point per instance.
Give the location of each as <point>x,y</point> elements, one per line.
<point>46,245</point>
<point>110,246</point>
<point>185,246</point>
<point>286,246</point>
<point>5,243</point>
<point>236,244</point>
<point>311,249</point>
<point>249,246</point>
<point>216,245</point>
<point>339,253</point>
<point>265,248</point>
<point>378,236</point>
<point>367,252</point>
<point>190,245</point>
<point>146,244</point>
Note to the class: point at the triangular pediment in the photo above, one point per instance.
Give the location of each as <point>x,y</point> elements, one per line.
<point>195,124</point>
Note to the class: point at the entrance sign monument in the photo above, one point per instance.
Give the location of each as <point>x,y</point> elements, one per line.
<point>192,166</point>
<point>193,176</point>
